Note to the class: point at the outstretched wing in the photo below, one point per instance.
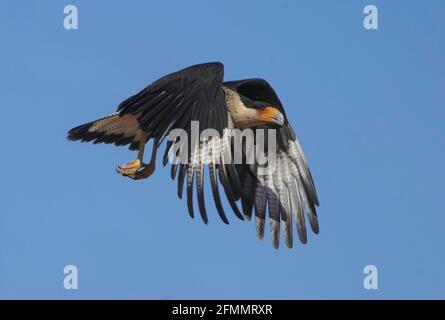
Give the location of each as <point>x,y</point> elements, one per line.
<point>284,189</point>
<point>175,101</point>
<point>194,93</point>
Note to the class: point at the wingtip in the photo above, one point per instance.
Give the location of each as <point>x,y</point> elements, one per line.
<point>315,229</point>
<point>289,244</point>
<point>276,245</point>
<point>302,235</point>
<point>260,227</point>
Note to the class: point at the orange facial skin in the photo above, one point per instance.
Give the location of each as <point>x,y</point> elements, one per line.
<point>271,115</point>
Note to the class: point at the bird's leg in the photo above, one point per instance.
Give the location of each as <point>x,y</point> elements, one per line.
<point>133,169</point>
<point>148,168</point>
<point>134,166</point>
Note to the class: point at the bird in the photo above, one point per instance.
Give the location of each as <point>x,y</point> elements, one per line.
<point>283,193</point>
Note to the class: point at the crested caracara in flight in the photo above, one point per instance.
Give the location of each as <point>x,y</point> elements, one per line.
<point>281,189</point>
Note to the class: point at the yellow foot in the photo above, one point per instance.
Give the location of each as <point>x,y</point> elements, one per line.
<point>130,169</point>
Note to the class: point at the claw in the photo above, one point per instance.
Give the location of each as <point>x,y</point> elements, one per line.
<point>130,169</point>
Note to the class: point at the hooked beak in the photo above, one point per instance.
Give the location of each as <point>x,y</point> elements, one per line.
<point>271,115</point>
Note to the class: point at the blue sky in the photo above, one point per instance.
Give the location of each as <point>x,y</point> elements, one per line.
<point>368,106</point>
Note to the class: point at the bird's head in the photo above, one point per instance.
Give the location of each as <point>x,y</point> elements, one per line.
<point>258,96</point>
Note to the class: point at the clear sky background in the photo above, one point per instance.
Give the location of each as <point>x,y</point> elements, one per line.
<point>368,106</point>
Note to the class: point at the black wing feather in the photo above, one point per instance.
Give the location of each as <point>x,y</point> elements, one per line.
<point>173,102</point>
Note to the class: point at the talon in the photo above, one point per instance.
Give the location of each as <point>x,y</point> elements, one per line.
<point>130,169</point>
<point>136,169</point>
